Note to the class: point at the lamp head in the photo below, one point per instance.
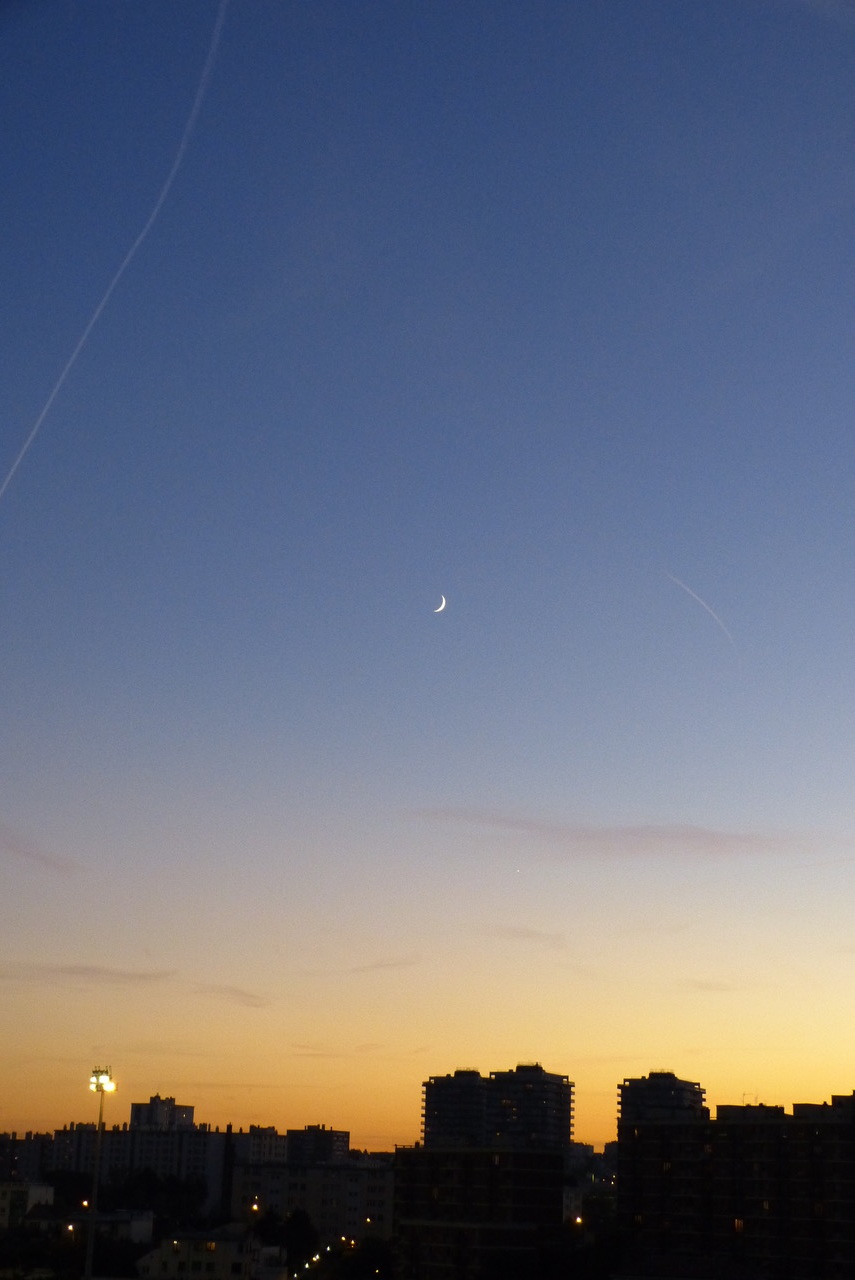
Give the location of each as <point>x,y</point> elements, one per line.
<point>101,1080</point>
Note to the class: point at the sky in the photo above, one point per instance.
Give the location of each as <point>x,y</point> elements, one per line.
<point>544,308</point>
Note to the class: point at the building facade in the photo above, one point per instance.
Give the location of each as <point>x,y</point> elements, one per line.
<point>226,1254</point>
<point>316,1144</point>
<point>660,1096</point>
<point>525,1107</point>
<point>755,1193</point>
<point>345,1193</point>
<point>466,1213</point>
<point>161,1113</point>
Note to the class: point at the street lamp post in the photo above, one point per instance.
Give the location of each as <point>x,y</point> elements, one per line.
<point>101,1081</point>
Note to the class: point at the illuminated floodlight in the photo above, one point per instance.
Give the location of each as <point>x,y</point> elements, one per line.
<point>101,1080</point>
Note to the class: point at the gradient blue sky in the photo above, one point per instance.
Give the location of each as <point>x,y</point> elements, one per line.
<point>546,307</point>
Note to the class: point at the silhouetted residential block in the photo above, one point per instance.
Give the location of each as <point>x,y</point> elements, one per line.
<point>316,1144</point>
<point>25,1157</point>
<point>530,1107</point>
<point>18,1198</point>
<point>463,1214</point>
<point>660,1096</point>
<point>755,1193</point>
<point>259,1145</point>
<point>161,1113</point>
<point>198,1153</point>
<point>133,1225</point>
<point>526,1107</point>
<point>455,1110</point>
<point>352,1197</point>
<point>227,1254</point>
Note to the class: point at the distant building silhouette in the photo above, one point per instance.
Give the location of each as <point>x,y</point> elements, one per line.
<point>25,1157</point>
<point>191,1153</point>
<point>454,1112</point>
<point>661,1196</point>
<point>467,1213</point>
<point>485,1193</point>
<point>345,1193</point>
<point>160,1113</point>
<point>17,1199</point>
<point>240,1172</point>
<point>316,1144</point>
<point>660,1096</point>
<point>229,1253</point>
<point>526,1107</point>
<point>754,1193</point>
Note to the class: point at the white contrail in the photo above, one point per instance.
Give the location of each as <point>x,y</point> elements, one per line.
<point>704,605</point>
<point>131,254</point>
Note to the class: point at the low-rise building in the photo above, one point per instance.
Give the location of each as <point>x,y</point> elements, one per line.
<point>230,1253</point>
<point>351,1197</point>
<point>17,1199</point>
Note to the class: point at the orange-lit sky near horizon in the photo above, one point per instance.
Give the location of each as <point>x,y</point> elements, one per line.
<point>545,308</point>
<point>342,1047</point>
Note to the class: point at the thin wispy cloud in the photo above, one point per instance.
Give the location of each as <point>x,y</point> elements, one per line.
<point>826,862</point>
<point>85,975</point>
<point>15,845</point>
<point>233,995</point>
<point>224,1087</point>
<point>712,986</point>
<point>168,1049</point>
<point>707,608</point>
<point>315,1051</point>
<point>93,975</point>
<point>378,966</point>
<point>519,933</point>
<point>621,841</point>
<point>654,925</point>
<point>328,1051</point>
<point>142,236</point>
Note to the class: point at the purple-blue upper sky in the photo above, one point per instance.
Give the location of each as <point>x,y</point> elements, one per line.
<point>543,306</point>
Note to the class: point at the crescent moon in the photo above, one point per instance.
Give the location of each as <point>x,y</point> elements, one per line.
<point>442,606</point>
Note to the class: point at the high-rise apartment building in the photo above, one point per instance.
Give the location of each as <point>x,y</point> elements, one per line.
<point>465,1213</point>
<point>662,1200</point>
<point>524,1108</point>
<point>316,1144</point>
<point>161,1113</point>
<point>756,1192</point>
<point>532,1108</point>
<point>660,1096</point>
<point>455,1110</point>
